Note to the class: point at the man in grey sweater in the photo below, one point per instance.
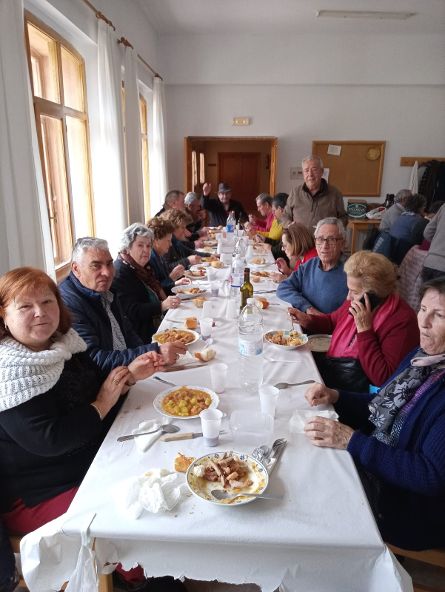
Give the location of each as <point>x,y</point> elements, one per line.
<point>434,264</point>
<point>392,213</point>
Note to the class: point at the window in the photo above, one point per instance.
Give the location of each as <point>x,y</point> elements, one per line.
<point>194,170</point>
<point>58,84</point>
<point>143,110</point>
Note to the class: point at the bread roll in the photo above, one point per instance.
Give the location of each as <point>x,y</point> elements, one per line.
<point>191,323</point>
<point>205,355</point>
<point>182,462</point>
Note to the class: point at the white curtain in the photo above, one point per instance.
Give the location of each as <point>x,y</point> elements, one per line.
<point>135,190</point>
<point>111,211</point>
<point>158,163</point>
<point>25,237</point>
<point>414,178</point>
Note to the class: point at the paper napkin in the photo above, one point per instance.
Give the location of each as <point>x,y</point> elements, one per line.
<point>143,443</point>
<point>301,416</point>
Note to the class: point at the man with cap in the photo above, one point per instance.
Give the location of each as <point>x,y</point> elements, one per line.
<point>219,209</point>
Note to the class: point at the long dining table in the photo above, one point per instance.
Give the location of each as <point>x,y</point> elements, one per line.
<point>321,536</point>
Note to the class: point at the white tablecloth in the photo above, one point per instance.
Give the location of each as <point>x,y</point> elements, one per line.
<point>321,537</point>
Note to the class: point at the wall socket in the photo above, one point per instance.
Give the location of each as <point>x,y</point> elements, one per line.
<point>296,173</point>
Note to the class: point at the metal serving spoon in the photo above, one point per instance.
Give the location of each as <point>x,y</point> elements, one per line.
<point>167,428</point>
<point>220,494</point>
<point>285,385</point>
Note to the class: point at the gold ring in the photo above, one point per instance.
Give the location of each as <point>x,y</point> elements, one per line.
<point>115,381</point>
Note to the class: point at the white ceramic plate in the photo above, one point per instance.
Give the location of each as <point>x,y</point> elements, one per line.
<point>319,343</point>
<point>257,265</point>
<point>285,333</point>
<point>192,334</point>
<point>157,403</point>
<point>202,488</point>
<point>183,291</point>
<point>198,272</point>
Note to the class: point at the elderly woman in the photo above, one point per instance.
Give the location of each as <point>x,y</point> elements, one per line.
<point>56,405</point>
<point>180,253</point>
<point>299,247</point>
<point>371,332</point>
<point>140,292</point>
<point>397,437</point>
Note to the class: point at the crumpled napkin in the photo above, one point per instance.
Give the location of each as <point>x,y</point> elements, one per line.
<point>301,416</point>
<point>145,442</point>
<point>157,490</point>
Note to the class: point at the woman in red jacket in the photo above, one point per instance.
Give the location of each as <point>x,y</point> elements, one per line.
<point>372,331</point>
<point>299,246</point>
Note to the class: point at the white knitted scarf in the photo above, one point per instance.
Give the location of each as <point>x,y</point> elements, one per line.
<point>24,373</point>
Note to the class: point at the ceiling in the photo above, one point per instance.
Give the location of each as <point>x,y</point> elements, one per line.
<point>275,17</point>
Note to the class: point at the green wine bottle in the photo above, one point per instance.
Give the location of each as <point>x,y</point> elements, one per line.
<point>246,289</point>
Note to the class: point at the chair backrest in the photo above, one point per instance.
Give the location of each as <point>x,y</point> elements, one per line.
<point>435,557</point>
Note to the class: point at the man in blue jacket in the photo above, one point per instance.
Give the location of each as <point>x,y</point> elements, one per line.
<point>319,285</point>
<point>97,313</point>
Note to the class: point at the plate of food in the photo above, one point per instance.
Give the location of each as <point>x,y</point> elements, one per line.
<point>234,472</point>
<point>209,242</point>
<point>185,402</point>
<point>187,291</point>
<point>197,272</point>
<point>319,343</point>
<point>259,276</point>
<point>185,336</point>
<point>286,339</point>
<point>209,259</point>
<point>257,262</point>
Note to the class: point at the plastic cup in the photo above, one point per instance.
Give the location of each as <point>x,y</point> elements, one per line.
<point>211,274</point>
<point>205,325</point>
<point>226,258</point>
<point>218,375</point>
<point>268,399</point>
<point>232,309</point>
<point>207,309</point>
<point>211,426</point>
<point>214,288</point>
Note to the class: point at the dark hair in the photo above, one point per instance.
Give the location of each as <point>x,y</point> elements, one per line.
<point>437,284</point>
<point>435,206</point>
<point>28,279</point>
<point>279,200</point>
<point>415,203</point>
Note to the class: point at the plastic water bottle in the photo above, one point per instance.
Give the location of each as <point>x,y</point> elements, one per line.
<point>231,222</point>
<point>250,345</point>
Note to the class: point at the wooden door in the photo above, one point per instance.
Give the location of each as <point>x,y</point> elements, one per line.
<point>241,170</point>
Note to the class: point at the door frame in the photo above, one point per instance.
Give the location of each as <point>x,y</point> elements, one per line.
<point>188,155</point>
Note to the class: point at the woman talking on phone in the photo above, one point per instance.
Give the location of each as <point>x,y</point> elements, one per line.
<point>372,331</point>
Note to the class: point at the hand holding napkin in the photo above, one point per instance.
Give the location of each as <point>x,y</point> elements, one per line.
<point>301,416</point>
<point>157,490</point>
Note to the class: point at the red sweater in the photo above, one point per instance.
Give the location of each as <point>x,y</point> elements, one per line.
<point>308,255</point>
<point>380,350</point>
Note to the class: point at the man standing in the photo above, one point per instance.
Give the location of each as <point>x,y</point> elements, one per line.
<point>97,313</point>
<point>220,208</point>
<point>319,285</point>
<point>315,199</point>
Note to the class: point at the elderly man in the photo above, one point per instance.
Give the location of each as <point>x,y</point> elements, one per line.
<point>97,313</point>
<point>174,200</point>
<point>319,285</point>
<point>219,209</point>
<point>194,209</point>
<point>396,210</point>
<point>264,207</point>
<point>315,199</point>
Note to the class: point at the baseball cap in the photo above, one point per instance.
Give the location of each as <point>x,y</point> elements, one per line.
<point>224,188</point>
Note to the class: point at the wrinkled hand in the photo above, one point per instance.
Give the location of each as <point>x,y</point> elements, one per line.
<point>170,302</point>
<point>207,188</point>
<point>177,272</point>
<point>300,317</point>
<point>313,311</point>
<point>276,277</point>
<point>362,314</point>
<point>145,365</point>
<point>182,282</point>
<point>328,433</point>
<point>283,266</point>
<point>112,388</point>
<point>171,352</point>
<point>194,259</point>
<point>319,394</point>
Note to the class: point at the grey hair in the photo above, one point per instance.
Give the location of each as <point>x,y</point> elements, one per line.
<point>402,195</point>
<point>171,197</point>
<point>312,157</point>
<point>130,234</point>
<point>190,198</point>
<point>85,243</point>
<point>334,221</point>
<point>264,198</point>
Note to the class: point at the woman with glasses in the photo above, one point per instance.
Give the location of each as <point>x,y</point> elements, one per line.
<point>372,331</point>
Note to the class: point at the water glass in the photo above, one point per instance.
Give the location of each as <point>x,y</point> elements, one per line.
<point>268,399</point>
<point>205,325</point>
<point>232,309</point>
<point>214,288</point>
<point>208,309</point>
<point>226,258</point>
<point>211,274</point>
<point>211,426</point>
<point>218,375</point>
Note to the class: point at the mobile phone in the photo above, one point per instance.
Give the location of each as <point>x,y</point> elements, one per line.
<point>374,300</point>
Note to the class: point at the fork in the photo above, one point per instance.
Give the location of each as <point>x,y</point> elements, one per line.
<point>164,381</point>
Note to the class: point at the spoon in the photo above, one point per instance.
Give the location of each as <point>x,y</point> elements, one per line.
<point>261,452</point>
<point>285,385</point>
<point>167,428</point>
<point>220,494</point>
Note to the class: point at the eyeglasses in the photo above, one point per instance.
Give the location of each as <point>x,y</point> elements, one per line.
<point>330,240</point>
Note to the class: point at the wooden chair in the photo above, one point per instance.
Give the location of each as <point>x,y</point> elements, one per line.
<point>435,557</point>
<point>105,580</point>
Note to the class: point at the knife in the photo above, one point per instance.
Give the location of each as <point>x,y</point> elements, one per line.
<point>182,367</point>
<point>184,436</point>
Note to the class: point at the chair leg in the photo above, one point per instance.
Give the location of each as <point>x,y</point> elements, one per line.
<point>106,583</point>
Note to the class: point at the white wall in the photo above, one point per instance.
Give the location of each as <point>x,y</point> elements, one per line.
<point>300,89</point>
